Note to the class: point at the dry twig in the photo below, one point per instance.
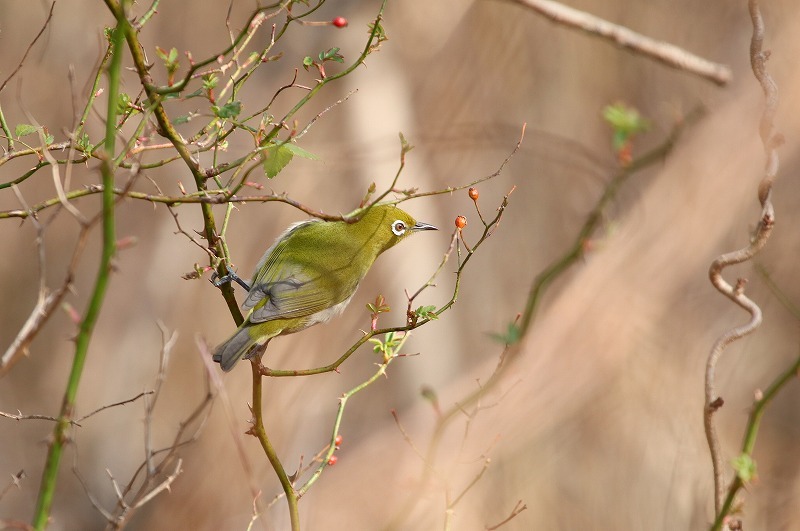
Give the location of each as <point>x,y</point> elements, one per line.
<point>771,141</point>
<point>661,51</point>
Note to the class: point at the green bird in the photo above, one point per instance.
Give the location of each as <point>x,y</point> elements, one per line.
<point>310,274</point>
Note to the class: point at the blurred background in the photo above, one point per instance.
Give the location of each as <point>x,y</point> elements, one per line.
<point>598,423</point>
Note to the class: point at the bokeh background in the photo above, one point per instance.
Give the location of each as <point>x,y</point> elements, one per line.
<point>598,424</point>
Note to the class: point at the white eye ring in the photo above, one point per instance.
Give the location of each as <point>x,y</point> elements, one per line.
<point>398,227</point>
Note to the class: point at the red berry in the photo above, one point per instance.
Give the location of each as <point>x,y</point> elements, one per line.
<point>473,194</point>
<point>461,222</point>
<point>332,460</point>
<point>338,441</point>
<point>339,22</point>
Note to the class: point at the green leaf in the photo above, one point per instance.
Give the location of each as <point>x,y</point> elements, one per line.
<point>307,62</point>
<point>210,81</point>
<point>123,101</point>
<point>745,468</point>
<point>511,335</point>
<point>625,121</point>
<point>83,143</point>
<point>426,312</point>
<point>380,33</point>
<point>24,129</point>
<point>48,139</point>
<point>229,110</point>
<point>387,346</point>
<point>330,55</point>
<point>275,158</point>
<point>183,119</point>
<point>161,53</point>
<point>300,152</point>
<point>405,147</point>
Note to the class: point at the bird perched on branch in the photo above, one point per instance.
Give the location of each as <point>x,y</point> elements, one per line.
<point>309,276</point>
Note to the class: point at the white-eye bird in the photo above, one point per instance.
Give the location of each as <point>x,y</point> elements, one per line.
<point>310,274</point>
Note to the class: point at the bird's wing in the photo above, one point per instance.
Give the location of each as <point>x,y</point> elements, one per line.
<point>286,289</point>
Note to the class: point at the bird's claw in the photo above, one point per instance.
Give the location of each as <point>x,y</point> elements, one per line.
<point>217,280</point>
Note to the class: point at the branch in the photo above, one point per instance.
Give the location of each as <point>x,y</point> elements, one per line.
<point>661,51</point>
<point>540,284</point>
<point>27,51</point>
<point>770,141</point>
<point>60,435</point>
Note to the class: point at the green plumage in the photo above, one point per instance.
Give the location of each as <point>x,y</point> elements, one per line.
<point>310,274</point>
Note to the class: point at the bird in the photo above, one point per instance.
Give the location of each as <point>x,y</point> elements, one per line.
<point>310,274</point>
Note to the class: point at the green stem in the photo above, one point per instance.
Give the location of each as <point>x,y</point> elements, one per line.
<point>260,433</point>
<point>594,219</point>
<point>751,433</point>
<point>6,130</point>
<point>61,435</point>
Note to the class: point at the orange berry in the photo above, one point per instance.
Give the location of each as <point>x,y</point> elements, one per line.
<point>461,222</point>
<point>332,460</point>
<point>338,441</point>
<point>339,22</point>
<point>473,194</point>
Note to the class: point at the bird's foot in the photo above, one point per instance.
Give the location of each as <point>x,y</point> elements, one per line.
<point>230,277</point>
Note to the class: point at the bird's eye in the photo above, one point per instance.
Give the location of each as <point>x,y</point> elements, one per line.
<point>398,227</point>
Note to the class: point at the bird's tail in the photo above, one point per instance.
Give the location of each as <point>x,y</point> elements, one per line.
<point>241,345</point>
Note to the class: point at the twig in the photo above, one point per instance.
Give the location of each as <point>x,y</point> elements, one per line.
<point>164,485</point>
<point>406,436</point>
<point>205,355</point>
<point>30,47</point>
<point>770,141</point>
<point>478,476</point>
<point>661,51</point>
<point>540,284</point>
<point>340,412</point>
<point>578,248</point>
<point>16,480</point>
<point>518,508</point>
<point>115,404</point>
<point>20,416</point>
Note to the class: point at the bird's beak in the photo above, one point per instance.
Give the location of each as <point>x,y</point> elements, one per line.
<point>423,226</point>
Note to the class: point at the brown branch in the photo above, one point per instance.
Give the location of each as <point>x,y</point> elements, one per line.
<point>115,404</point>
<point>518,508</point>
<point>16,481</point>
<point>661,51</point>
<point>30,47</point>
<point>770,141</point>
<point>46,302</point>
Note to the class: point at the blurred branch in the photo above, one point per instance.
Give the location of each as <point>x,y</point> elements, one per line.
<point>578,248</point>
<point>770,140</point>
<point>787,303</point>
<point>25,56</point>
<point>233,422</point>
<point>661,51</point>
<point>46,302</point>
<point>518,508</point>
<point>16,481</point>
<point>520,327</point>
<point>158,476</point>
